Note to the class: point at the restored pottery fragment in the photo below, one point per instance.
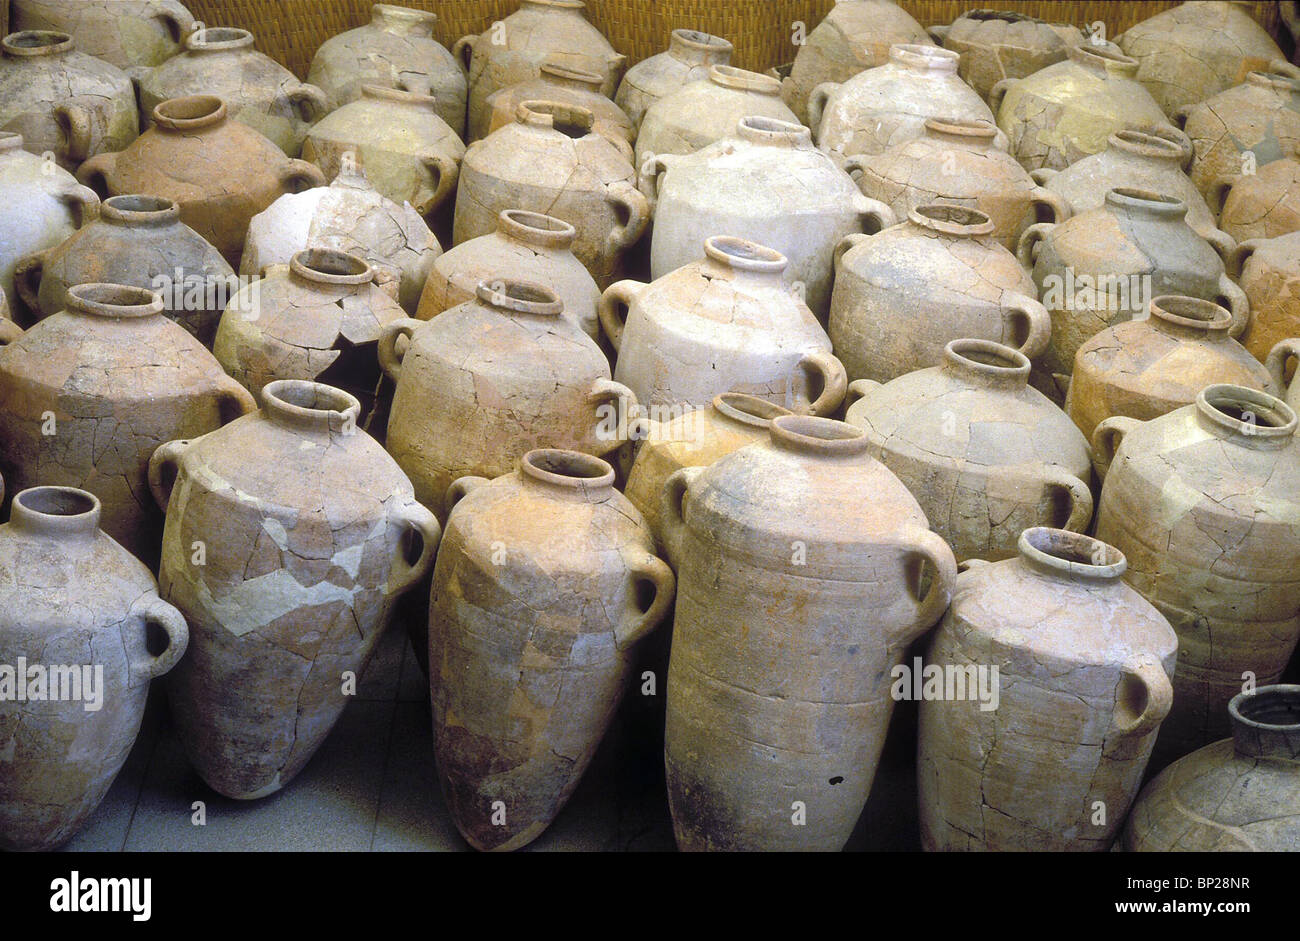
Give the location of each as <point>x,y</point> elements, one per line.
<point>131,34</point>
<point>999,44</point>
<point>1268,271</point>
<point>1260,205</point>
<point>568,86</point>
<point>687,59</point>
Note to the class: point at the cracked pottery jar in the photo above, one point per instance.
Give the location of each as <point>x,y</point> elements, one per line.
<point>1237,795</point>
<point>703,112</point>
<point>484,383</point>
<point>778,681</point>
<point>257,90</point>
<point>1069,110</point>
<point>1260,205</point>
<point>134,35</point>
<point>1136,160</point>
<point>44,206</point>
<point>1243,128</point>
<point>901,295</point>
<point>999,44</point>
<point>71,596</point>
<point>64,101</point>
<point>687,59</point>
<point>855,35</point>
<point>565,85</point>
<point>695,439</point>
<point>526,246</point>
<point>1195,50</point>
<point>765,182</point>
<point>1104,266</point>
<point>885,106</point>
<point>310,534</point>
<point>396,49</point>
<point>986,455</point>
<point>90,392</point>
<point>318,318</point>
<point>1083,666</point>
<point>1145,368</point>
<point>530,658</point>
<point>350,216</point>
<point>1205,503</point>
<point>409,153</point>
<point>728,322</point>
<point>1268,271</point>
<point>959,163</point>
<point>138,241</point>
<point>220,172</point>
<point>551,161</point>
<point>513,49</point>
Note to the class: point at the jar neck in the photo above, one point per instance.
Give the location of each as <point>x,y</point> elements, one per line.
<point>567,474</point>
<point>61,512</point>
<point>985,364</point>
<point>699,49</point>
<point>1189,318</point>
<point>1246,417</point>
<point>37,43</point>
<point>747,411</point>
<point>536,230</point>
<point>1058,553</point>
<point>771,132</point>
<point>403,21</point>
<point>140,212</point>
<point>311,408</point>
<point>817,437</point>
<point>1266,723</point>
<point>924,60</point>
<point>728,256</point>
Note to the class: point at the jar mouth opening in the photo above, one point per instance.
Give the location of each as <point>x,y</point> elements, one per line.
<point>743,254</point>
<point>526,297</point>
<point>729,76</point>
<point>1248,412</point>
<point>536,222</point>
<point>701,40</point>
<point>755,125</point>
<point>1076,553</point>
<point>119,301</point>
<point>1151,145</point>
<point>310,400</point>
<point>1274,708</point>
<point>962,127</point>
<point>572,73</point>
<point>64,502</point>
<point>397,94</point>
<point>930,57</point>
<point>1132,196</point>
<point>405,13</point>
<point>1190,312</point>
<point>218,37</point>
<point>192,111</point>
<point>1103,54</point>
<point>331,266</point>
<point>138,206</point>
<point>819,435</point>
<point>988,357</point>
<point>572,121</point>
<point>952,220</point>
<point>1273,80</point>
<point>748,409</point>
<point>567,468</point>
<point>36,42</point>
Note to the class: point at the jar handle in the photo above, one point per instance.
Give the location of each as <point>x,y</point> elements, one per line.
<point>1106,440</point>
<point>817,106</point>
<point>998,92</point>
<point>460,488</point>
<point>414,518</point>
<point>1038,322</point>
<point>177,21</point>
<point>1223,243</point>
<point>77,124</point>
<point>624,194</point>
<point>1027,247</point>
<point>83,201</point>
<point>607,390</point>
<point>95,171</point>
<point>1081,503</point>
<point>300,171</point>
<point>164,466</point>
<point>873,215</point>
<point>857,389</point>
<point>1051,201</point>
<point>1236,262</point>
<point>445,173</point>
<point>653,570</point>
<point>1219,190</point>
<point>834,380</point>
<point>618,296</point>
<point>310,102</point>
<point>27,280</point>
<point>931,549</point>
<point>155,612</point>
<point>234,401</point>
<point>1276,362</point>
<point>672,510</point>
<point>653,167</point>
<point>846,244</point>
<point>1234,298</point>
<point>1043,175</point>
<point>389,359</point>
<point>1159,696</point>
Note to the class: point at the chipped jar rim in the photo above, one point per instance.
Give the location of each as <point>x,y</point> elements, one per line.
<point>1062,551</point>
<point>38,42</point>
<point>808,434</point>
<point>752,410</point>
<point>921,57</point>
<point>138,209</point>
<point>1192,313</point>
<point>558,68</point>
<point>396,12</point>
<point>557,115</point>
<point>700,41</point>
<point>520,297</point>
<point>1248,413</point>
<point>1266,722</point>
<point>572,470</point>
<point>1146,144</point>
<point>1103,57</point>
<point>952,219</point>
<point>729,76</point>
<point>189,112</point>
<point>744,255</point>
<point>977,128</point>
<point>536,228</point>
<point>331,266</point>
<point>218,39</point>
<point>399,95</point>
<point>311,406</point>
<point>56,509</point>
<point>115,301</point>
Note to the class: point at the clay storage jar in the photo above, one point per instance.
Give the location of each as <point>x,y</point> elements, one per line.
<point>551,161</point>
<point>134,35</point>
<point>795,598</point>
<point>1243,128</point>
<point>855,35</point>
<point>220,172</point>
<point>568,86</point>
<point>985,454</point>
<point>396,49</point>
<point>766,182</point>
<point>887,105</point>
<point>702,112</point>
<point>959,163</point>
<point>1137,160</point>
<point>310,534</point>
<point>1069,110</point>
<point>530,658</point>
<point>901,295</point>
<point>44,205</point>
<point>318,318</point>
<point>1104,266</point>
<point>728,322</point>
<point>998,44</point>
<point>1260,205</point>
<point>687,59</point>
<point>350,216</point>
<point>484,383</point>
<point>1268,270</point>
<point>1237,795</point>
<point>527,246</point>
<point>408,152</point>
<point>80,607</point>
<point>513,49</point>
<point>259,92</point>
<point>138,241</point>
<point>64,101</point>
<point>1083,681</point>
<point>1204,503</point>
<point>91,390</point>
<point>695,439</point>
<point>1196,50</point>
<point>1145,368</point>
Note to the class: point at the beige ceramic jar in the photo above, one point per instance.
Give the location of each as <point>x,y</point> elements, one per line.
<point>76,601</point>
<point>310,533</point>
<point>728,322</point>
<point>1145,368</point>
<point>566,85</point>
<point>789,701</point>
<point>551,161</point>
<point>64,101</point>
<point>959,163</point>
<point>1260,205</point>
<point>687,59</point>
<point>484,383</point>
<point>1205,503</point>
<point>530,655</point>
<point>985,454</point>
<point>999,44</point>
<point>1268,271</point>
<point>134,35</point>
<point>901,295</point>
<point>887,105</point>
<point>1083,682</point>
<point>765,182</point>
<point>526,246</point>
<point>90,391</point>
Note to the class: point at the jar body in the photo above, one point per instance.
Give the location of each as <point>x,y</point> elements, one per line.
<point>688,59</point>
<point>1241,128</point>
<point>1263,204</point>
<point>1268,271</point>
<point>995,45</point>
<point>130,34</point>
